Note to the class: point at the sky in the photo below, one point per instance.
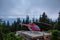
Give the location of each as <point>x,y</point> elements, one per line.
<point>33,8</point>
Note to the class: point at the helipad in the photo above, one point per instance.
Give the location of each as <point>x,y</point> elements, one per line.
<point>33,34</point>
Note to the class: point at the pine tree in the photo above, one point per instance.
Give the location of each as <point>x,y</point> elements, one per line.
<point>8,27</point>
<point>23,21</point>
<point>4,24</point>
<point>18,20</point>
<point>8,24</point>
<point>33,20</point>
<point>27,19</point>
<point>36,20</point>
<point>44,21</point>
<point>1,35</point>
<point>43,18</point>
<point>58,25</point>
<point>59,19</point>
<point>1,29</point>
<point>14,26</point>
<point>40,18</point>
<point>18,24</point>
<point>0,22</point>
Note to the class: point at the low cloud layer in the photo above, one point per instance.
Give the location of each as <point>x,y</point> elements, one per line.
<point>33,8</point>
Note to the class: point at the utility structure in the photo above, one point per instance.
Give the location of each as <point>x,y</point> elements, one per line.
<point>37,35</point>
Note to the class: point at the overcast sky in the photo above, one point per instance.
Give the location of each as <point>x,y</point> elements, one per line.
<point>33,8</point>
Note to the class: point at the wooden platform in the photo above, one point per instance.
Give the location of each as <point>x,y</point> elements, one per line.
<point>34,35</point>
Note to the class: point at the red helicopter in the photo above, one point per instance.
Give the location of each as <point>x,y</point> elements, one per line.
<point>32,27</point>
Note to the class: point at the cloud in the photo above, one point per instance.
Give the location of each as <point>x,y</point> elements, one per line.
<point>33,8</point>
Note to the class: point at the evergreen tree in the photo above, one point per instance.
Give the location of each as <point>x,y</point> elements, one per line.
<point>27,19</point>
<point>57,26</point>
<point>4,24</point>
<point>1,22</point>
<point>24,21</point>
<point>55,35</point>
<point>44,21</point>
<point>1,35</point>
<point>18,24</point>
<point>18,20</point>
<point>44,18</point>
<point>40,18</point>
<point>59,19</point>
<point>36,20</point>
<point>8,24</point>
<point>33,20</point>
<point>1,30</point>
<point>4,27</point>
<point>14,26</point>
